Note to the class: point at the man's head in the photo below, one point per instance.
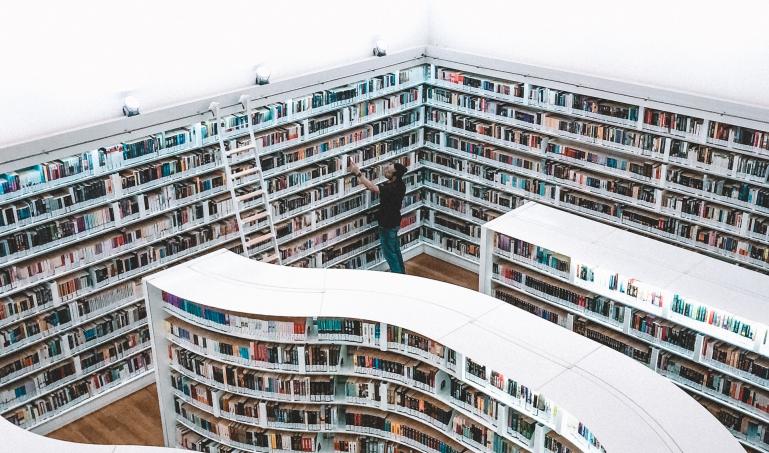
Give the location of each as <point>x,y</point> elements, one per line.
<point>394,172</point>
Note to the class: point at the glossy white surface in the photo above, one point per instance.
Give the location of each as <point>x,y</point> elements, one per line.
<point>693,275</point>
<point>627,406</point>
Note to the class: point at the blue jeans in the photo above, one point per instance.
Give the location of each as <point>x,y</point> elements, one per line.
<point>391,249</point>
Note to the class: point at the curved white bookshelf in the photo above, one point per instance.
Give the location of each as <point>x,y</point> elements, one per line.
<point>626,405</point>
<point>682,314</point>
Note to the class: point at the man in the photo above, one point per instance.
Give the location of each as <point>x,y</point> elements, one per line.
<point>391,193</point>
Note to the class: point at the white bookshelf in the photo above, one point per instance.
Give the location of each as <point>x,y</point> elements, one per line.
<point>221,170</point>
<point>236,154</point>
<point>517,351</point>
<point>586,274</point>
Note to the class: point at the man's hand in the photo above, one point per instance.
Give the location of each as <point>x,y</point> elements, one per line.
<point>353,167</point>
<point>355,170</point>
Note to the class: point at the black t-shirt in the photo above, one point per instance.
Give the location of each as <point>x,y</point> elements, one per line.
<point>390,199</point>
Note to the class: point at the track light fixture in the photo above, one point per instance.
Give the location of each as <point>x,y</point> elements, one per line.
<point>380,48</point>
<point>244,100</point>
<point>262,75</point>
<point>130,106</point>
<point>213,107</point>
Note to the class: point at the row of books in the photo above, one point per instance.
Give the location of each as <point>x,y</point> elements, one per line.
<point>465,427</point>
<point>713,158</point>
<point>750,431</point>
<point>704,211</point>
<point>41,325</point>
<point>456,246</point>
<point>610,338</point>
<point>18,304</point>
<point>505,88</point>
<point>245,435</point>
<point>166,167</point>
<point>443,97</point>
<point>532,252</point>
<point>672,121</point>
<point>49,405</point>
<point>394,365</point>
<point>398,426</point>
<point>582,102</point>
<point>740,135</point>
<point>520,424</point>
<point>725,190</point>
<point>403,337</point>
<point>664,330</point>
<point>724,386</point>
<point>735,357</point>
<point>239,351</point>
<point>538,309</point>
<point>643,169</point>
<point>591,181</point>
<point>244,324</point>
<point>479,402</point>
<point>609,134</point>
<point>248,381</point>
<point>465,209</point>
<point>551,289</point>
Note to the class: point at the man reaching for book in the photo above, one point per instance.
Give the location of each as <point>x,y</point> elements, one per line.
<point>391,193</point>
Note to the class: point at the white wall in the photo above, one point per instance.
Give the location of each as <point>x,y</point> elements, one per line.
<point>714,48</point>
<point>68,64</point>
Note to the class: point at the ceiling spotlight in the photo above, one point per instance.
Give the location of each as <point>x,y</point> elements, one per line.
<point>244,100</point>
<point>214,107</point>
<point>262,75</point>
<point>130,106</point>
<point>380,48</point>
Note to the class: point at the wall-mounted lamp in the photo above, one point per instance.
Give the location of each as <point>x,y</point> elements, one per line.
<point>380,48</point>
<point>262,75</point>
<point>213,107</point>
<point>130,106</point>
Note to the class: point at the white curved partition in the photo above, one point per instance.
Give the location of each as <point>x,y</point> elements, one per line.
<point>533,386</point>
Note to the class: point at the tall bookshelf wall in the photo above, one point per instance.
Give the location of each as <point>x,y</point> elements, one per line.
<point>270,181</point>
<point>718,357</point>
<point>77,234</point>
<point>684,179</point>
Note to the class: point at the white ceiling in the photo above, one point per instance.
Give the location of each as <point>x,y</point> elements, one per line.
<point>69,64</point>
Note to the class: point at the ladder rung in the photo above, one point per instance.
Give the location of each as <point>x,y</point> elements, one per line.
<point>271,258</point>
<point>243,173</point>
<point>256,217</point>
<point>239,150</point>
<point>257,240</point>
<point>250,195</point>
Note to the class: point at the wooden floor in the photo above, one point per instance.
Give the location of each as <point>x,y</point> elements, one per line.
<point>135,420</point>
